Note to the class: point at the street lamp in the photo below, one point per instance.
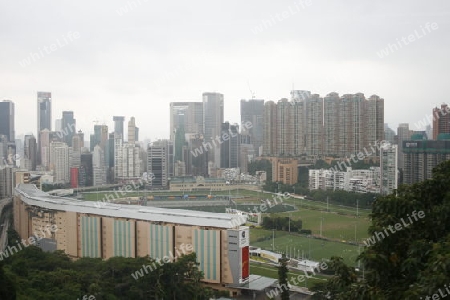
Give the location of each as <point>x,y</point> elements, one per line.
<point>357,207</point>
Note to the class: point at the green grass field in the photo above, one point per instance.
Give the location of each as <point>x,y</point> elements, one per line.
<point>334,226</point>
<point>248,208</point>
<point>313,213</point>
<point>315,249</point>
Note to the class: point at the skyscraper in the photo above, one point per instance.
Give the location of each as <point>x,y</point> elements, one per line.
<point>68,127</point>
<point>7,120</point>
<point>188,115</point>
<point>253,111</point>
<point>44,110</point>
<point>98,166</point>
<point>230,151</point>
<point>86,173</point>
<point>160,162</point>
<point>100,137</point>
<point>118,125</point>
<point>30,152</point>
<point>44,118</point>
<point>213,117</point>
<point>441,120</point>
<point>132,131</point>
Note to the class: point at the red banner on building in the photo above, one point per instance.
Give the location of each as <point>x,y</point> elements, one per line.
<point>245,263</point>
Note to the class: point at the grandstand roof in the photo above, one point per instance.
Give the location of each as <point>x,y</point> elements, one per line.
<point>35,197</point>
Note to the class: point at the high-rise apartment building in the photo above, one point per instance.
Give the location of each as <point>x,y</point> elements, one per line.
<point>352,123</point>
<point>7,120</point>
<point>59,161</point>
<point>253,111</point>
<point>131,162</point>
<point>332,124</point>
<point>403,134</point>
<point>313,125</point>
<point>388,168</point>
<point>68,127</point>
<point>441,120</point>
<point>213,117</point>
<point>372,121</point>
<point>270,128</point>
<point>284,124</point>
<point>421,156</point>
<point>127,163</point>
<point>284,128</point>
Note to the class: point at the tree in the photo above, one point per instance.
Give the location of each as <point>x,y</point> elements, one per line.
<point>7,289</point>
<point>414,260</point>
<point>261,165</point>
<point>283,278</point>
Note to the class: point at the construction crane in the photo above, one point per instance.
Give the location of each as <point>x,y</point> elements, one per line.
<point>251,92</point>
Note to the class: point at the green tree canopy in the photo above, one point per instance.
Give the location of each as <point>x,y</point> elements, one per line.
<point>410,263</point>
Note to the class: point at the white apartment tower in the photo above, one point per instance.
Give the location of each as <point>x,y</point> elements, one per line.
<point>389,168</point>
<point>59,161</point>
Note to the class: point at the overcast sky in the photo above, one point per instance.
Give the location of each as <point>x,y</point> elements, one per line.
<point>134,57</point>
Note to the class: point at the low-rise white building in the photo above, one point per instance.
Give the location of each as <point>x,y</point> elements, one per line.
<point>361,181</point>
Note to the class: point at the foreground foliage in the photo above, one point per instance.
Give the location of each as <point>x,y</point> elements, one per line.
<point>411,263</point>
<point>35,274</point>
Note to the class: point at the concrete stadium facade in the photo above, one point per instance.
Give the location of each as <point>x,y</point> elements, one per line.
<point>84,230</point>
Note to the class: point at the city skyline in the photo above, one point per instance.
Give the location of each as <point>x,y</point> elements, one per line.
<point>262,49</point>
<point>111,122</point>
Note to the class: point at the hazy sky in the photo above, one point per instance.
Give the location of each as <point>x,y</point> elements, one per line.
<point>134,57</point>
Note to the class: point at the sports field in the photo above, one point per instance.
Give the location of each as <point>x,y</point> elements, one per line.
<point>302,246</point>
<point>340,223</point>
